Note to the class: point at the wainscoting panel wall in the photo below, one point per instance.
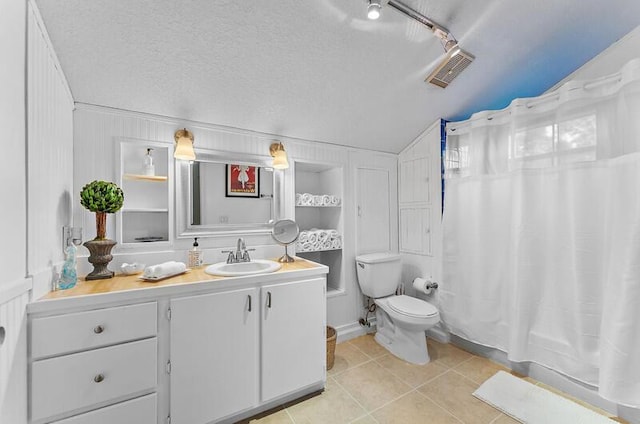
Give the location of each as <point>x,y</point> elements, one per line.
<point>50,155</point>
<point>13,360</point>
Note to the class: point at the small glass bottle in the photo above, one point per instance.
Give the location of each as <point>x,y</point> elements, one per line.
<point>149,168</point>
<point>68,276</point>
<point>195,255</point>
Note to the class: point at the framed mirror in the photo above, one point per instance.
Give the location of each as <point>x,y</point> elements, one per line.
<point>224,193</point>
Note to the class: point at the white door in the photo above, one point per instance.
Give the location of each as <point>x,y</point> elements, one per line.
<point>293,336</point>
<point>214,355</point>
<point>373,209</point>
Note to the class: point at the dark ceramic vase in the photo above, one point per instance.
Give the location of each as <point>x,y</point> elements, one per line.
<point>100,256</point>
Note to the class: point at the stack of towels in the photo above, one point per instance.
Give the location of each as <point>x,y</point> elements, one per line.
<point>315,239</point>
<point>308,199</point>
<point>163,270</point>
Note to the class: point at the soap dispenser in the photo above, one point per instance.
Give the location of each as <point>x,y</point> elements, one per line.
<point>68,276</point>
<point>195,255</point>
<point>149,169</point>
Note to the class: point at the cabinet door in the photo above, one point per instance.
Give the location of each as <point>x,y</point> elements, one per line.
<point>293,336</point>
<point>214,355</point>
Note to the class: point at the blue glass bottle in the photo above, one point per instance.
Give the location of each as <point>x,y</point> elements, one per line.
<point>69,276</point>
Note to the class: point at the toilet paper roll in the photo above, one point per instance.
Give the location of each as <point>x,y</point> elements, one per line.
<point>420,284</point>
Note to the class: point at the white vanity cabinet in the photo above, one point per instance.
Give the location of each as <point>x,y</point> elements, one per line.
<point>293,336</point>
<point>237,350</point>
<point>194,350</point>
<point>86,360</point>
<point>214,355</point>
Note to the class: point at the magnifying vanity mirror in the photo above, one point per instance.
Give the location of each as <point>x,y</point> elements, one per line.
<point>226,193</point>
<point>285,232</point>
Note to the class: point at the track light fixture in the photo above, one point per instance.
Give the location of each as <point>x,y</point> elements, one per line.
<point>373,10</point>
<point>455,60</point>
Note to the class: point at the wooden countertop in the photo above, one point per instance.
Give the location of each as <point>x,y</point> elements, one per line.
<point>123,282</point>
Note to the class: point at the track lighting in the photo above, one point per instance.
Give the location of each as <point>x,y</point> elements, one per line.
<point>373,10</point>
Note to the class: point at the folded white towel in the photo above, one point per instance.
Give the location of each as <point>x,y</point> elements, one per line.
<point>313,237</point>
<point>326,200</point>
<point>306,199</point>
<point>298,199</point>
<point>164,269</point>
<point>303,237</point>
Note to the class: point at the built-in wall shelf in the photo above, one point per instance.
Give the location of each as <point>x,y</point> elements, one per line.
<point>146,210</point>
<point>155,178</point>
<point>317,250</point>
<point>319,189</point>
<point>311,206</point>
<point>146,215</point>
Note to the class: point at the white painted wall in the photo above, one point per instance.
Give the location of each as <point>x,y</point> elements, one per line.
<point>13,221</point>
<point>13,214</point>
<point>96,130</point>
<point>420,209</point>
<point>50,156</point>
<point>609,61</point>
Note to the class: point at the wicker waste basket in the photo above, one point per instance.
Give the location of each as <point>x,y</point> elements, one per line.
<point>331,346</point>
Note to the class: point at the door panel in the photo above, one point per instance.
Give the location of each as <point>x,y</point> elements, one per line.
<point>293,336</point>
<point>214,355</point>
<point>374,225</point>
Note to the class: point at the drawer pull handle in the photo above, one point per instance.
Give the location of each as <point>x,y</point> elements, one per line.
<point>268,299</point>
<point>249,296</point>
<point>99,329</point>
<point>99,378</point>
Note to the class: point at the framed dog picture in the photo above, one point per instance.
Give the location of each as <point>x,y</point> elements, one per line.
<point>242,181</point>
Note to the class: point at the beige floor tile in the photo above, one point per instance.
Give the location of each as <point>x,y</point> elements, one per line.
<point>278,417</point>
<point>453,392</point>
<point>347,356</point>
<point>333,406</point>
<point>369,346</point>
<point>479,369</point>
<point>504,419</point>
<point>372,385</point>
<point>367,419</point>
<point>446,354</point>
<point>413,408</point>
<point>413,375</point>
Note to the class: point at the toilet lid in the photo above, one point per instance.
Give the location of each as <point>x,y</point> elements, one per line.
<point>412,307</point>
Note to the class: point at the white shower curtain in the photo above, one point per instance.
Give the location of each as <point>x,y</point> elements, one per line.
<point>542,232</point>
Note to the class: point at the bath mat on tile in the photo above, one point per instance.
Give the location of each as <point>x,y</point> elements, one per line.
<point>531,404</point>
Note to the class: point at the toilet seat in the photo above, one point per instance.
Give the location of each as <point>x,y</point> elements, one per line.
<point>412,307</point>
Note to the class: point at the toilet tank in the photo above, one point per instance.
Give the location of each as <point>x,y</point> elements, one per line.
<point>379,273</point>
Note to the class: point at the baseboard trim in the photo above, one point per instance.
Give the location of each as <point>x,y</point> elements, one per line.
<point>13,289</point>
<point>353,330</point>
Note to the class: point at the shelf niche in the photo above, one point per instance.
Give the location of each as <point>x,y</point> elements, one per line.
<point>320,179</point>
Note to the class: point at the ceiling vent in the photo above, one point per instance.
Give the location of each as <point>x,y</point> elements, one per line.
<point>455,61</point>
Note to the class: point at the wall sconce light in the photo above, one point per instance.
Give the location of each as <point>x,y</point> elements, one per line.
<point>184,145</point>
<point>279,155</point>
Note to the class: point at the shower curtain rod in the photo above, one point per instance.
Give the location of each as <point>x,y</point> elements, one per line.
<point>420,18</point>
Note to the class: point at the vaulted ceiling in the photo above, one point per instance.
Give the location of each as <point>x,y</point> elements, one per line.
<point>318,69</point>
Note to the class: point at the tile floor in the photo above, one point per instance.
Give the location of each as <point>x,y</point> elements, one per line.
<point>369,385</point>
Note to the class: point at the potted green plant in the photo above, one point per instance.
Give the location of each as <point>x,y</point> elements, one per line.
<point>101,197</point>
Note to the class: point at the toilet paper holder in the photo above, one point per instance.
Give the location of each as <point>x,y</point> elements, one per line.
<point>423,285</point>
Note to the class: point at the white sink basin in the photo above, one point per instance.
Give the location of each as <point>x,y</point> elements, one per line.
<point>256,266</point>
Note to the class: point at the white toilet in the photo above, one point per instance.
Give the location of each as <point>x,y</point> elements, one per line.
<point>401,320</point>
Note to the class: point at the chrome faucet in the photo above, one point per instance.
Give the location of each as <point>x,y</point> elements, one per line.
<point>241,253</point>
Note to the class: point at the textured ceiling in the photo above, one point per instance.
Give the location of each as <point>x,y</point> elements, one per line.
<point>318,69</point>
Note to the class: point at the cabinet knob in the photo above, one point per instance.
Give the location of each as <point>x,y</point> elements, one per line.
<point>99,329</point>
<point>98,378</point>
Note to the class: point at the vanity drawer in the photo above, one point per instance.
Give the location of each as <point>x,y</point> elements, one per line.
<point>61,334</point>
<point>81,380</point>
<point>142,410</point>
